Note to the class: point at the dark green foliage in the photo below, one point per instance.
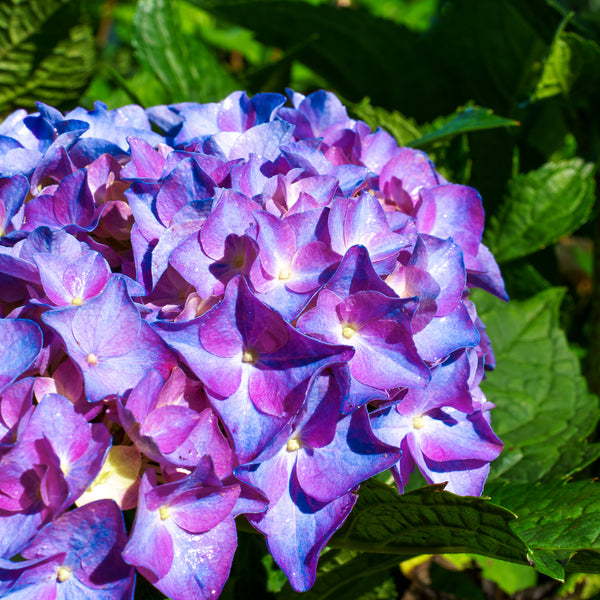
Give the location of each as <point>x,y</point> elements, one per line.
<point>47,52</point>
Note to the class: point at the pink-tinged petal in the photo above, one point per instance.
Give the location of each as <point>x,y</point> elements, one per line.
<point>247,178</point>
<point>199,563</point>
<point>324,110</point>
<point>169,426</point>
<point>450,435</point>
<point>150,545</point>
<point>323,321</point>
<point>362,221</point>
<point>452,211</point>
<point>145,163</point>
<point>80,447</point>
<point>276,241</point>
<point>206,438</point>
<point>73,201</point>
<point>319,187</point>
<point>445,263</point>
<point>86,277</point>
<point>231,213</point>
<point>144,396</point>
<point>409,171</point>
<point>312,266</point>
<point>316,421</point>
<point>197,513</point>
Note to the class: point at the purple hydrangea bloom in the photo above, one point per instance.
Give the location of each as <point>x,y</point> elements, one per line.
<point>249,310</point>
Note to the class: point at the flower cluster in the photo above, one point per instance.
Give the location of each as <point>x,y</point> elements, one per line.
<point>249,313</point>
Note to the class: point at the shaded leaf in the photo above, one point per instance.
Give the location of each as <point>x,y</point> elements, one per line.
<point>572,67</point>
<point>420,75</point>
<point>47,52</point>
<point>428,520</point>
<point>186,67</point>
<point>404,129</point>
<point>347,580</point>
<point>543,409</point>
<point>541,206</point>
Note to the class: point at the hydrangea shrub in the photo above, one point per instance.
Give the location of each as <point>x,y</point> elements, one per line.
<point>215,310</point>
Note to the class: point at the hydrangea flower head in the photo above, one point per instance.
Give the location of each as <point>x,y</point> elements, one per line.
<point>213,310</point>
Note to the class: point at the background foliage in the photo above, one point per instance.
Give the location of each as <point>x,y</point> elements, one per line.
<point>504,95</point>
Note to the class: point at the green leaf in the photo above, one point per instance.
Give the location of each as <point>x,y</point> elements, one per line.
<point>559,523</point>
<point>541,206</point>
<point>466,120</point>
<point>404,129</point>
<point>428,520</point>
<point>186,67</point>
<point>47,52</point>
<point>572,68</point>
<point>419,75</point>
<point>543,409</point>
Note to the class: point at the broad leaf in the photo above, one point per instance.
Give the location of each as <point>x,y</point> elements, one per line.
<point>428,520</point>
<point>472,118</point>
<point>47,52</point>
<point>559,523</point>
<point>541,206</point>
<point>186,67</point>
<point>543,409</point>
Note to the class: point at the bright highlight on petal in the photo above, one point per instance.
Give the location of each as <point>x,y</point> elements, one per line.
<point>348,331</point>
<point>418,422</point>
<point>63,574</point>
<point>91,359</point>
<point>249,356</point>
